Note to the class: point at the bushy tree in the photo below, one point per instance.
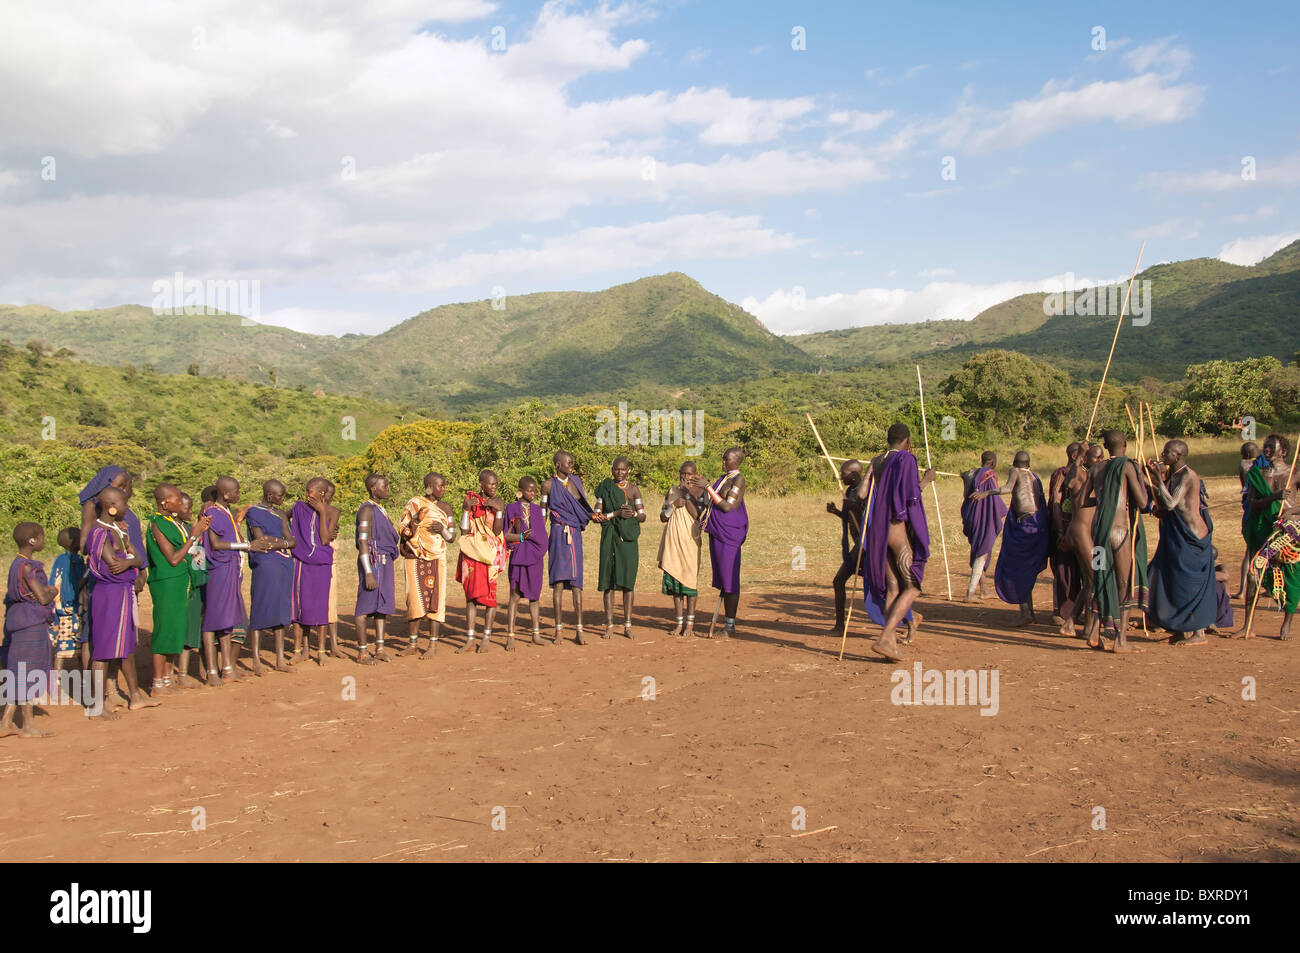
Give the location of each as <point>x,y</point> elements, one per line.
<point>1217,393</point>
<point>1014,395</point>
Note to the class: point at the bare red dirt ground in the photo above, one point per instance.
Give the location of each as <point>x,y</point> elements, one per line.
<point>562,744</point>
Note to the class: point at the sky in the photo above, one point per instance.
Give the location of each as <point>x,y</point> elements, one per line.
<point>823,165</point>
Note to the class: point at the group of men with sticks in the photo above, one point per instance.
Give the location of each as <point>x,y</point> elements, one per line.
<point>1087,525</point>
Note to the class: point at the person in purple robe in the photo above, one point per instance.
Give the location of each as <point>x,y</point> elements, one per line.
<point>376,538</point>
<point>223,610</point>
<point>982,514</point>
<point>114,563</point>
<point>896,539</point>
<point>564,498</point>
<point>726,520</point>
<point>527,543</point>
<point>270,598</point>
<point>27,655</point>
<point>115,476</point>
<point>313,564</point>
<point>1024,539</point>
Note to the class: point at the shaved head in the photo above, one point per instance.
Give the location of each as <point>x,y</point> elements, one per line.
<point>112,501</point>
<point>25,532</point>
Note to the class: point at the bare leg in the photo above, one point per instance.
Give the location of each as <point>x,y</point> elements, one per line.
<point>557,598</point>
<point>230,652</point>
<point>412,638</point>
<point>135,697</point>
<point>608,599</point>
<point>977,578</point>
<point>535,613</point>
<point>212,676</point>
<point>381,629</point>
<point>690,616</point>
<point>256,638</point>
<point>363,655</point>
<point>159,675</point>
<point>281,663</point>
<point>511,607</point>
<point>577,611</point>
<point>1245,571</point>
<point>489,616</point>
<point>627,612</point>
<point>899,569</point>
<point>29,729</point>
<point>678,602</point>
<point>471,616</point>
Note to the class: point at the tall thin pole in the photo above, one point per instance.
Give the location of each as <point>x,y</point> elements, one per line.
<point>1118,324</point>
<point>925,429</point>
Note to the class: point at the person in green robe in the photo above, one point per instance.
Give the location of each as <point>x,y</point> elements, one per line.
<point>620,513</point>
<point>168,545</point>
<point>198,577</point>
<point>1265,489</point>
<point>1119,582</point>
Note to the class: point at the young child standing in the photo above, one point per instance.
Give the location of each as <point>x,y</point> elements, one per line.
<point>114,563</point>
<point>482,556</point>
<point>28,611</point>
<point>68,577</point>
<point>527,542</point>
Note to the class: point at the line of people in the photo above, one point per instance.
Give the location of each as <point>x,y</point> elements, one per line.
<point>84,613</point>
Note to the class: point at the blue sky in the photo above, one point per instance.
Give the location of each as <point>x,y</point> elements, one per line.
<point>364,162</point>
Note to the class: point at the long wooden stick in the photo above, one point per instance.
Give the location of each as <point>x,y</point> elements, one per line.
<point>925,429</point>
<point>1118,324</point>
<point>862,546</point>
<point>946,473</point>
<point>825,453</point>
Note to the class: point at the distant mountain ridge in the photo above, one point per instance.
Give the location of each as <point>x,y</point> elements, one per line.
<point>666,330</point>
<point>1202,309</point>
<point>662,337</point>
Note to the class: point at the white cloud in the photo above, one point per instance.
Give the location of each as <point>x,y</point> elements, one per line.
<point>1145,100</point>
<point>1161,56</point>
<point>1280,173</point>
<point>682,238</point>
<point>853,121</point>
<point>1260,214</point>
<point>1251,251</point>
<point>1179,228</point>
<point>783,313</point>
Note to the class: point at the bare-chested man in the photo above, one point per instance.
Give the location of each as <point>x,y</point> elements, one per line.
<point>1065,574</point>
<point>1119,545</point>
<point>1077,541</point>
<point>1184,598</point>
<point>1024,539</point>
<point>850,514</point>
<point>897,538</point>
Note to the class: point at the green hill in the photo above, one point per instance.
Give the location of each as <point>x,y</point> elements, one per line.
<point>1202,309</point>
<point>664,332</point>
<point>221,345</point>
